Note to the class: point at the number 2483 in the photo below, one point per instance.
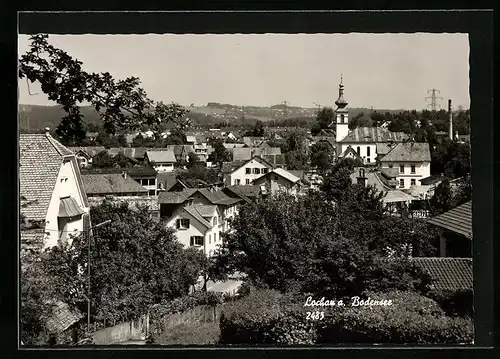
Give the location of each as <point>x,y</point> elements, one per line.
<point>315,315</point>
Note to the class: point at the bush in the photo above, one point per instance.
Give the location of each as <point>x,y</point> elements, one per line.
<point>268,317</point>
<point>454,303</point>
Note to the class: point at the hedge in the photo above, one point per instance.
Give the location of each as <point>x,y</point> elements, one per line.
<point>267,317</point>
<point>454,303</point>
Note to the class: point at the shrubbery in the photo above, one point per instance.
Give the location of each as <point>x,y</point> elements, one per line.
<point>268,317</point>
<point>454,303</point>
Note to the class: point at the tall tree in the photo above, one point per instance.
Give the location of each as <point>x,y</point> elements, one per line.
<point>136,262</point>
<point>296,150</point>
<point>441,201</point>
<point>123,104</point>
<point>325,117</point>
<point>322,156</point>
<point>220,154</point>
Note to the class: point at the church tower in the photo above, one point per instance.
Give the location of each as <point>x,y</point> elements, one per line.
<point>342,115</point>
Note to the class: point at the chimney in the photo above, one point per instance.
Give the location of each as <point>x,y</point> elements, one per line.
<point>450,131</point>
<point>47,131</point>
<point>361,178</point>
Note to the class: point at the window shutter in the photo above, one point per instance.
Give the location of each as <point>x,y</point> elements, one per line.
<point>192,241</point>
<point>178,223</point>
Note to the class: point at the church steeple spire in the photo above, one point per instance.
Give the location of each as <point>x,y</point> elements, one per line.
<point>341,103</point>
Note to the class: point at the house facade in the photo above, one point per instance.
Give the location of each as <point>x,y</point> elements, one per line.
<point>161,161</point>
<point>278,180</point>
<point>412,162</point>
<point>51,189</point>
<point>248,172</point>
<point>197,226</point>
<point>146,177</point>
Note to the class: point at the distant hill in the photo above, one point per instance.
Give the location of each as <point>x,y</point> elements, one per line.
<point>33,117</point>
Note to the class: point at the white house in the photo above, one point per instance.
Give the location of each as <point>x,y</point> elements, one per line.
<point>197,226</point>
<point>161,161</point>
<point>51,191</point>
<point>278,180</point>
<point>248,171</point>
<point>412,161</point>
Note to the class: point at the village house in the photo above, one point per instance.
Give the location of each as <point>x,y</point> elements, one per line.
<point>456,233</point>
<point>197,226</point>
<point>181,152</point>
<point>253,141</point>
<point>146,176</point>
<point>248,194</point>
<point>246,171</point>
<point>161,161</point>
<point>84,155</point>
<point>170,202</point>
<point>168,182</point>
<point>278,180</point>
<point>412,161</point>
<point>51,191</point>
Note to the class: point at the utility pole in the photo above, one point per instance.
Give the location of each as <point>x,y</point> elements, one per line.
<point>433,97</point>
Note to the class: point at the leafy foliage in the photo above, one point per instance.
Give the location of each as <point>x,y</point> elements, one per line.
<point>121,103</point>
<point>220,154</point>
<point>136,262</point>
<point>257,130</point>
<point>322,156</point>
<point>296,150</point>
<point>268,317</point>
<point>105,160</point>
<point>197,176</point>
<point>324,118</point>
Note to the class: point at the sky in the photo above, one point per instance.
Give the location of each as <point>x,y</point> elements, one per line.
<point>383,71</point>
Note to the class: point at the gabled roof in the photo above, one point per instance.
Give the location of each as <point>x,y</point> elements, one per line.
<point>389,173</point>
<point>397,195</point>
<point>243,192</point>
<point>266,151</point>
<point>141,171</point>
<point>348,150</point>
<point>176,197</point>
<point>373,134</point>
<point>433,179</point>
<point>218,197</point>
<point>409,151</point>
<point>40,160</point>
<point>371,179</point>
<point>169,180</point>
<point>458,220</point>
<point>161,156</point>
<point>282,173</point>
<point>181,150</point>
<point>453,274</point>
<point>256,158</point>
<point>229,167</point>
<point>90,151</point>
<point>111,183</point>
<point>197,210</point>
<point>63,317</point>
<point>383,148</point>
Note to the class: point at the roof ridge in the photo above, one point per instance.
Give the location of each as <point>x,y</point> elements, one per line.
<point>53,142</point>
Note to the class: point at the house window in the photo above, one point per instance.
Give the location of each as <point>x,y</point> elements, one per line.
<point>247,181</point>
<point>209,239</point>
<point>402,183</point>
<point>368,160</point>
<point>391,165</point>
<point>183,223</point>
<point>62,225</point>
<point>152,182</point>
<point>265,170</point>
<point>196,241</point>
<point>256,171</point>
<point>248,171</point>
<point>413,182</point>
<point>152,192</point>
<point>358,150</point>
<point>412,168</point>
<point>215,237</point>
<point>237,181</point>
<point>401,168</point>
<point>215,221</point>
<point>368,152</point>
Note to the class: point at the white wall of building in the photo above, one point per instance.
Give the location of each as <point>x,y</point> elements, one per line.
<point>164,167</point>
<point>277,184</point>
<point>66,185</point>
<point>240,175</point>
<point>422,170</point>
<point>367,151</point>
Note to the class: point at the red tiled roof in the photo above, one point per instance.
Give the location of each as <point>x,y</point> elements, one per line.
<point>452,274</point>
<point>458,220</point>
<point>40,160</point>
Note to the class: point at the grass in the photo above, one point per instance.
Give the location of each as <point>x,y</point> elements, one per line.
<point>185,334</point>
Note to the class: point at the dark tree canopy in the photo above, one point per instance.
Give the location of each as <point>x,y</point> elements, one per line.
<point>324,118</point>
<point>123,104</point>
<point>220,154</point>
<point>322,156</point>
